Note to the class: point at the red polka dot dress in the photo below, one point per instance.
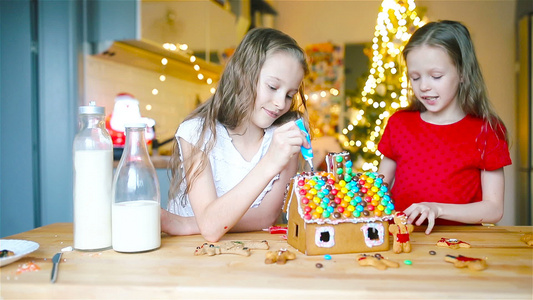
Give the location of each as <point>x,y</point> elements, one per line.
<point>440,163</point>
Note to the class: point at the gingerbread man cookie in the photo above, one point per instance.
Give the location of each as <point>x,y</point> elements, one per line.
<point>377,261</point>
<point>231,247</point>
<point>280,257</point>
<point>452,243</point>
<point>474,264</point>
<point>400,231</point>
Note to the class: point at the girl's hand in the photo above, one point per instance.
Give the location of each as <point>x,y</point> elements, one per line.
<point>286,142</point>
<point>423,211</point>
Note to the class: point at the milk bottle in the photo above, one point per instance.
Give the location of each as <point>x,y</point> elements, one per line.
<point>93,170</point>
<point>136,197</point>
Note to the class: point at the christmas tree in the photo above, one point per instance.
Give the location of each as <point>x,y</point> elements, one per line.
<point>383,89</point>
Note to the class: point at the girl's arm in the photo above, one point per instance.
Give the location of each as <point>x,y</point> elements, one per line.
<point>178,225</point>
<point>268,212</point>
<point>387,167</point>
<point>217,215</point>
<point>488,210</point>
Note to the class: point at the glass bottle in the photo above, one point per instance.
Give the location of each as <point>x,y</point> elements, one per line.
<point>93,171</point>
<point>136,196</point>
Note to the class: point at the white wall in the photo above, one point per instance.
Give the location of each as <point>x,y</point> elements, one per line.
<point>491,24</point>
<point>176,98</point>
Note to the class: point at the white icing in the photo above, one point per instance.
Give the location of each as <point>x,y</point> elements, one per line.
<point>369,242</point>
<point>318,235</point>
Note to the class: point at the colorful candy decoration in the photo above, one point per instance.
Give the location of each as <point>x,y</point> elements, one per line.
<point>343,193</point>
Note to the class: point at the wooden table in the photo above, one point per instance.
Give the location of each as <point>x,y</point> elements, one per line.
<point>173,271</point>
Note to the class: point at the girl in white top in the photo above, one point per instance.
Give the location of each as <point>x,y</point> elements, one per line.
<point>236,152</point>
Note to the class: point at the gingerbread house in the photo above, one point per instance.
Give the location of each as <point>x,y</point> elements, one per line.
<point>338,211</point>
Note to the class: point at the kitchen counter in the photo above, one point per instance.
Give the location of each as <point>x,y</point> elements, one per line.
<point>173,271</point>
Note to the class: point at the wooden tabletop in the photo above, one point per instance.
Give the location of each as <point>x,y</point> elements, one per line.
<point>174,272</point>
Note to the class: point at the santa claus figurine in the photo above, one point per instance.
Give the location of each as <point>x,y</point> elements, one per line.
<point>126,110</point>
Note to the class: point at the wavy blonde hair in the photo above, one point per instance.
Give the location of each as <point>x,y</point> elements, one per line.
<point>233,102</point>
<point>455,39</point>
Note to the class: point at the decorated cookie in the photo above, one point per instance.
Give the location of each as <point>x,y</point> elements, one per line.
<point>280,257</point>
<point>231,247</point>
<point>6,253</point>
<point>528,239</point>
<point>377,261</point>
<point>400,231</point>
<point>475,264</point>
<point>452,243</point>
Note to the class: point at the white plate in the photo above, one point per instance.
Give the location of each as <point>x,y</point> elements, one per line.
<point>21,248</point>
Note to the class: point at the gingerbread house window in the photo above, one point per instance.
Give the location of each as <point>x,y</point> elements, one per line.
<point>325,237</point>
<point>374,234</point>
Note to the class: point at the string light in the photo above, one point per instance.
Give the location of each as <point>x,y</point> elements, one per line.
<point>385,88</point>
<point>183,49</point>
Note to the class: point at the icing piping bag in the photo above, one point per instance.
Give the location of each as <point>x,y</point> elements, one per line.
<point>307,153</point>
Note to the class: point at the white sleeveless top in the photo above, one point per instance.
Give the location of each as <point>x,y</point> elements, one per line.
<point>227,164</point>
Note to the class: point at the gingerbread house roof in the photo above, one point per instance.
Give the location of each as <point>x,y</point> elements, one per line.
<point>340,195</point>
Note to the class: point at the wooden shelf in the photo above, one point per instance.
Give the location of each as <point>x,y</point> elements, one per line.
<point>148,55</point>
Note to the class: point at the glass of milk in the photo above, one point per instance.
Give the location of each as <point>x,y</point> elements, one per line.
<point>93,171</point>
<point>136,198</point>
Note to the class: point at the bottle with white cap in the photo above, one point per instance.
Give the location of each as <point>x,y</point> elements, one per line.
<point>93,171</point>
<point>136,196</point>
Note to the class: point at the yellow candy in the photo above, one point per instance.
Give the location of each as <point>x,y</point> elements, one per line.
<point>380,207</point>
<point>312,182</point>
<point>317,200</point>
<point>369,180</point>
<point>342,183</point>
<point>344,190</point>
<point>374,189</point>
<point>347,198</point>
<point>376,197</point>
<point>319,209</point>
<point>350,208</point>
<point>313,191</point>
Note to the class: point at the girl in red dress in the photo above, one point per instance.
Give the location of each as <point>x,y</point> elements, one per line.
<point>444,155</point>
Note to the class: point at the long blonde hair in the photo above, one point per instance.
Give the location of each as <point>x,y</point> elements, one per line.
<point>233,102</point>
<point>454,38</point>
